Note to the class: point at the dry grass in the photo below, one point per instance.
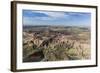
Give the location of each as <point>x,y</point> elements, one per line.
<point>73,46</point>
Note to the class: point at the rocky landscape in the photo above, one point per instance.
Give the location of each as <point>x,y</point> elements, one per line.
<point>56,43</point>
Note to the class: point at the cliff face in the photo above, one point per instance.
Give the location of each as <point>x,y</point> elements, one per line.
<point>62,48</point>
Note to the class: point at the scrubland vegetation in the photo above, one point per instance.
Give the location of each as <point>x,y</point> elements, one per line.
<point>56,43</point>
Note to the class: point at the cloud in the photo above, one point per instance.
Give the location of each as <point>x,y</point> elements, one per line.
<point>53,14</point>
<point>53,17</point>
<point>45,15</point>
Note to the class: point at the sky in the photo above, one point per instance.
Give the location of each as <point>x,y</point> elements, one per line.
<point>56,18</point>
